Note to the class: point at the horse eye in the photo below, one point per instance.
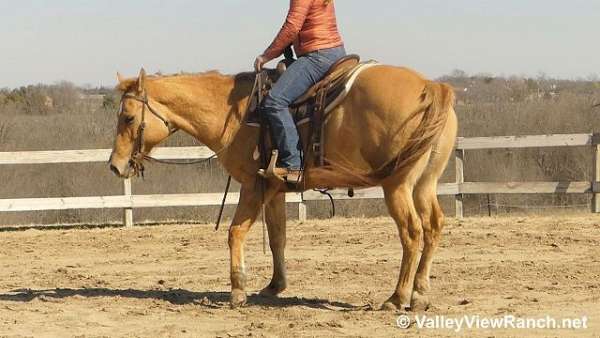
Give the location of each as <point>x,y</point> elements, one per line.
<point>129,119</point>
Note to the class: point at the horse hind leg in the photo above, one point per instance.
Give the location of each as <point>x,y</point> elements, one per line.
<point>430,212</point>
<point>399,200</point>
<point>432,218</point>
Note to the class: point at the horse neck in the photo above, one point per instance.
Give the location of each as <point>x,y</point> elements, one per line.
<point>209,107</point>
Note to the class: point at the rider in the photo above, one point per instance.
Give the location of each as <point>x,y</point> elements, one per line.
<point>311,26</point>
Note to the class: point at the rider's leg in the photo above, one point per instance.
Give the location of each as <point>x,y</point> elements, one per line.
<point>294,82</point>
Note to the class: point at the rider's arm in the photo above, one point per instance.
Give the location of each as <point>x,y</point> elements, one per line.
<point>289,32</point>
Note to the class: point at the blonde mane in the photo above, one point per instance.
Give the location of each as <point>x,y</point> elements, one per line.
<point>128,84</point>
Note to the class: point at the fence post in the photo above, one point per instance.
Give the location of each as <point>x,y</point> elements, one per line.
<point>460,179</point>
<point>596,174</point>
<point>302,211</point>
<point>127,212</point>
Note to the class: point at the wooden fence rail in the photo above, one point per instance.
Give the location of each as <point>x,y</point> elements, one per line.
<point>529,141</point>
<point>128,201</point>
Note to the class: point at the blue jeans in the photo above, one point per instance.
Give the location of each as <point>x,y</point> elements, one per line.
<point>295,81</point>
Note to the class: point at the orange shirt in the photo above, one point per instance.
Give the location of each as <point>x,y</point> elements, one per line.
<point>310,25</point>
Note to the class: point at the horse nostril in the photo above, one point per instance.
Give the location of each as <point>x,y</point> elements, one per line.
<point>115,170</point>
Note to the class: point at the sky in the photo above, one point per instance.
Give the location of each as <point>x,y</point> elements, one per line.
<point>88,41</point>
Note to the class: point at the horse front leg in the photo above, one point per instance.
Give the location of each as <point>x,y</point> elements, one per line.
<point>248,209</point>
<point>276,223</point>
<point>245,215</point>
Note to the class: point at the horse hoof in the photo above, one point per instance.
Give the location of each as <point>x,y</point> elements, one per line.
<point>389,306</point>
<point>237,299</point>
<point>419,302</point>
<point>393,304</point>
<point>272,291</point>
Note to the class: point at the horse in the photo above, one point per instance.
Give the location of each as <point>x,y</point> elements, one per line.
<point>394,129</point>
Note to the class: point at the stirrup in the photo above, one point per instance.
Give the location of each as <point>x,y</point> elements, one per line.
<point>272,171</point>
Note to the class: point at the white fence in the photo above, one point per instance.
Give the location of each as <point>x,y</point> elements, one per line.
<point>129,201</point>
<point>536,141</point>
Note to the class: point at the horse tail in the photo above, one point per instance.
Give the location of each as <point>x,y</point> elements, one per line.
<point>437,100</point>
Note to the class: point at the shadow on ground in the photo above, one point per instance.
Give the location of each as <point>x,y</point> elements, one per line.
<point>210,299</point>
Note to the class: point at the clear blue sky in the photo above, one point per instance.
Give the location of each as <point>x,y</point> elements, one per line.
<point>88,41</point>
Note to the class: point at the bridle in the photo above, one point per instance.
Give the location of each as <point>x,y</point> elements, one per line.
<point>137,157</point>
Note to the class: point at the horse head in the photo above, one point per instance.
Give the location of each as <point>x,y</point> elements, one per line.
<point>140,127</point>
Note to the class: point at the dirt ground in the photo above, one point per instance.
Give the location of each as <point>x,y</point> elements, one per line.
<point>172,281</point>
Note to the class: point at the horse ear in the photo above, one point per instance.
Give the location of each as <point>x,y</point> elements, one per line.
<point>120,78</point>
<point>141,80</point>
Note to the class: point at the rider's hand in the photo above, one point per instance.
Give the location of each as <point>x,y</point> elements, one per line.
<point>260,62</point>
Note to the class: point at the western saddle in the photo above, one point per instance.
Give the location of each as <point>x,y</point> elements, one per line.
<point>310,107</point>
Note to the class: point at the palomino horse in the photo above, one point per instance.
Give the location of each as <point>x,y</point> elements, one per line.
<point>394,129</point>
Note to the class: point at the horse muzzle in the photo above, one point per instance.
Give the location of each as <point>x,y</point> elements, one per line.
<point>122,169</point>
